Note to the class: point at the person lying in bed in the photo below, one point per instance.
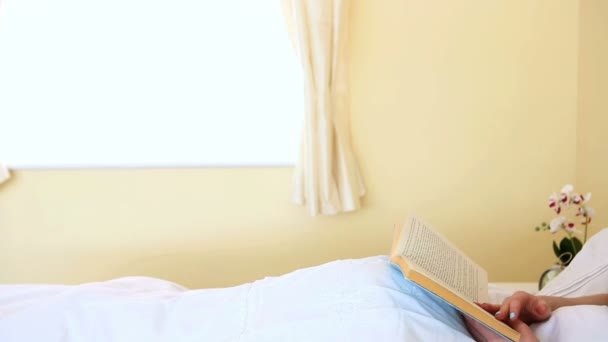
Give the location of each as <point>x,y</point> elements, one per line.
<point>522,309</point>
<point>363,300</point>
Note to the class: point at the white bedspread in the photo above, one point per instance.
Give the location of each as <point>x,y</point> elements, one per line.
<point>346,300</point>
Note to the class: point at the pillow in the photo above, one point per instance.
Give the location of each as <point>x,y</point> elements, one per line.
<point>587,274</point>
<point>575,323</point>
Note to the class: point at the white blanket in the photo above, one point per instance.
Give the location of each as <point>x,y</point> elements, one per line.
<point>346,300</point>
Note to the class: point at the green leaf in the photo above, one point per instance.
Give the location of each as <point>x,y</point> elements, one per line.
<point>577,243</point>
<point>569,248</point>
<point>556,249</point>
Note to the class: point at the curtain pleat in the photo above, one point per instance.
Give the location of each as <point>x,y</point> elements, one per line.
<point>327,178</point>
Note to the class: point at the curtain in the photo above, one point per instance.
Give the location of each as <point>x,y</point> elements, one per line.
<point>327,178</point>
<point>4,174</point>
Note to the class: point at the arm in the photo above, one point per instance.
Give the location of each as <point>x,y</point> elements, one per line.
<point>558,302</point>
<point>530,308</point>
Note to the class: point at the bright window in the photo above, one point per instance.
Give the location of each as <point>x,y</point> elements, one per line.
<point>143,83</point>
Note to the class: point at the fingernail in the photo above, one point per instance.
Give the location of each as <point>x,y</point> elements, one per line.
<point>497,313</point>
<point>512,315</point>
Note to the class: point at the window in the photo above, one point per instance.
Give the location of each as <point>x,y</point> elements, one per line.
<point>142,83</point>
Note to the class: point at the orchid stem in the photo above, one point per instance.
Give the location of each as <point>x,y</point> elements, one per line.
<point>586,224</point>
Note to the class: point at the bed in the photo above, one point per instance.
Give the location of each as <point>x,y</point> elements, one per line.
<point>346,300</point>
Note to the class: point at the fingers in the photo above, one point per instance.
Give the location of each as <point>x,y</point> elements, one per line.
<point>503,313</point>
<point>516,304</point>
<point>491,308</point>
<point>527,335</point>
<point>512,306</point>
<point>478,330</point>
<point>538,309</point>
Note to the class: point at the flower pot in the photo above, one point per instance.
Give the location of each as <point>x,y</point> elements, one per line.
<point>550,274</point>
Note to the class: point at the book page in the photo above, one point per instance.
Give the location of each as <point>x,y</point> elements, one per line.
<point>432,254</point>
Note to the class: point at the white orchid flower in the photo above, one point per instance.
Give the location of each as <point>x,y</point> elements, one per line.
<point>585,211</point>
<point>567,189</point>
<point>586,214</point>
<point>587,197</point>
<point>570,227</point>
<point>556,224</point>
<point>580,199</point>
<point>554,203</point>
<point>564,196</point>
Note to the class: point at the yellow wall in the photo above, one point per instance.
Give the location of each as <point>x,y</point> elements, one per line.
<point>462,111</point>
<point>592,165</point>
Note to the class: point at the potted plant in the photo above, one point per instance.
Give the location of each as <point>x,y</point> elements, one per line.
<point>563,205</point>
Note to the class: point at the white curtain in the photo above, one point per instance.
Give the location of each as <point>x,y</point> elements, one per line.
<point>4,174</point>
<point>327,178</point>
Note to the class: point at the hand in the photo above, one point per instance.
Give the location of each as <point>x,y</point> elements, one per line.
<point>521,306</point>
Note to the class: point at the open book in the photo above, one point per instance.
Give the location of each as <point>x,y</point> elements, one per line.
<point>429,260</point>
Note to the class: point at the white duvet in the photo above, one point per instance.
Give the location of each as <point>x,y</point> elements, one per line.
<point>346,300</point>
